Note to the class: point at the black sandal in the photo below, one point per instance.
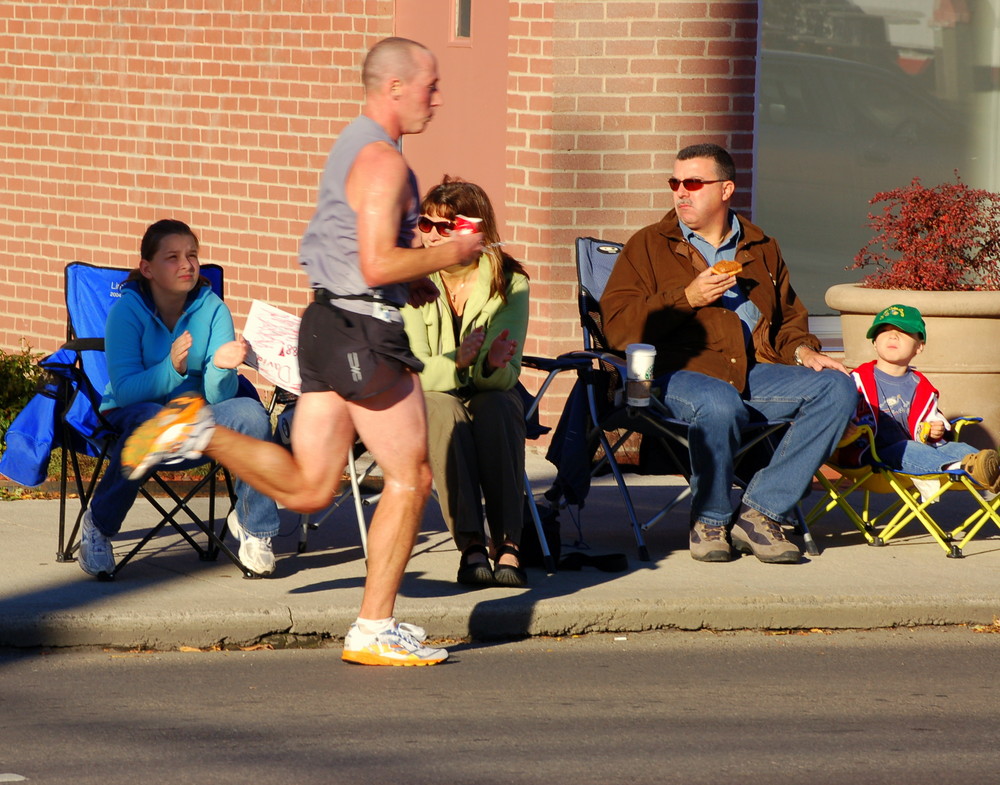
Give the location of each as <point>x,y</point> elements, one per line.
<point>478,573</point>
<point>508,574</point>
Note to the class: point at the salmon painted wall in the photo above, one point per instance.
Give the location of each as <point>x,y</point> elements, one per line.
<point>468,135</point>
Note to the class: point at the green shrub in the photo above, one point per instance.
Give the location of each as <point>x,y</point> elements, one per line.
<point>19,380</point>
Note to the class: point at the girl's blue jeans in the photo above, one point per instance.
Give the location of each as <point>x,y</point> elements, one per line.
<point>115,494</point>
<point>817,404</point>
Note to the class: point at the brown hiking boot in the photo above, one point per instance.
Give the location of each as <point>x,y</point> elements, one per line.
<point>709,543</point>
<point>755,533</point>
<point>984,468</point>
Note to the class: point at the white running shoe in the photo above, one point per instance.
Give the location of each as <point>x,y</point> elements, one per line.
<point>95,555</point>
<point>393,646</point>
<point>417,633</point>
<point>255,552</point>
<point>179,432</point>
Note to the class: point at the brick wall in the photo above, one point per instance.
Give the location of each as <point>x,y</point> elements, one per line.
<point>115,113</point>
<point>603,93</point>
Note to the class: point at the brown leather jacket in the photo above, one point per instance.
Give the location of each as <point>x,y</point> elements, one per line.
<point>644,302</point>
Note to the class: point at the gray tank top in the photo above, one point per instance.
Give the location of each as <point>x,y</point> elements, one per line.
<point>329,248</point>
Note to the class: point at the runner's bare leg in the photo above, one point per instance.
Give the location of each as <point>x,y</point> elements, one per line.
<point>393,427</point>
<point>305,479</point>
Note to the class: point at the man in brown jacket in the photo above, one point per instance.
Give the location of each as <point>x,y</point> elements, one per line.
<point>735,348</point>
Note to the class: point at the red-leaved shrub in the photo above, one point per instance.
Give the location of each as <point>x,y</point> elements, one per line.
<point>944,238</point>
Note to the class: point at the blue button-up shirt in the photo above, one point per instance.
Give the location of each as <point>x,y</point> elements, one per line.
<point>735,298</point>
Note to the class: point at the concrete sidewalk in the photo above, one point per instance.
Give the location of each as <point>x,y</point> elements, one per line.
<point>167,598</point>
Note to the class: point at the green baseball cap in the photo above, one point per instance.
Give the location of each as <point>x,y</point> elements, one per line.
<point>905,317</point>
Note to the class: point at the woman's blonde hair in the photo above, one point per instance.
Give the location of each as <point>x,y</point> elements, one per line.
<point>454,196</point>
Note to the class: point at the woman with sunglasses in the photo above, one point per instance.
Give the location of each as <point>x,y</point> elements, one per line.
<point>470,340</point>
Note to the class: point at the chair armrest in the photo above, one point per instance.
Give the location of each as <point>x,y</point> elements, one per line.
<point>959,422</point>
<point>552,366</point>
<point>84,345</point>
<point>558,364</point>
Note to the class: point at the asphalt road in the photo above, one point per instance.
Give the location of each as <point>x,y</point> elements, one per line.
<point>904,706</point>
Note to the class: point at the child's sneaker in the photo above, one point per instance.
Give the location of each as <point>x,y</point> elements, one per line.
<point>396,645</point>
<point>984,468</point>
<point>255,552</point>
<point>95,555</point>
<point>180,431</point>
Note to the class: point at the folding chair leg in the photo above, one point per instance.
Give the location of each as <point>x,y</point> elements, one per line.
<point>181,504</point>
<point>627,499</point>
<point>550,563</point>
<point>803,528</point>
<point>977,520</point>
<point>914,509</point>
<point>358,511</point>
<point>836,496</point>
<point>64,551</point>
<point>306,524</point>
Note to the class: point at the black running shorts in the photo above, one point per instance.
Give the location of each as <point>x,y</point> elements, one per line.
<point>353,355</point>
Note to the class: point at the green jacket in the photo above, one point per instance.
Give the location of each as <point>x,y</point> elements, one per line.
<point>432,338</point>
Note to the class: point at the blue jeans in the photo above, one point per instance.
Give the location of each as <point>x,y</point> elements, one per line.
<point>915,457</point>
<point>817,404</point>
<point>115,494</point>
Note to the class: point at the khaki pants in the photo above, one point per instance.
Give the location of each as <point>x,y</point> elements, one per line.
<point>476,451</point>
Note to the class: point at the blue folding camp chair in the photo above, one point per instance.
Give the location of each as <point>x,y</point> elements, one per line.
<point>597,420</point>
<point>66,410</point>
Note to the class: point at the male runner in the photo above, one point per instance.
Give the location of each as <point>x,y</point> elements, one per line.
<point>358,374</point>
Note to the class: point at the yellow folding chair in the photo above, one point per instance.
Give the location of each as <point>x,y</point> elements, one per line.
<point>913,496</point>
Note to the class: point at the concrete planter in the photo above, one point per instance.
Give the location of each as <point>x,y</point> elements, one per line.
<point>962,356</point>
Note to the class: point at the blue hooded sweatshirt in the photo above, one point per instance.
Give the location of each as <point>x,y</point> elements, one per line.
<point>137,345</point>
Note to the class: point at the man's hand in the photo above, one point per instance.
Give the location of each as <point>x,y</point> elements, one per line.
<point>469,350</point>
<point>230,354</point>
<point>501,351</point>
<point>468,246</point>
<point>179,352</point>
<point>707,287</point>
<point>422,291</point>
<point>810,358</point>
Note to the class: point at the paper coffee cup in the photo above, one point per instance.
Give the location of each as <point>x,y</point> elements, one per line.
<point>639,360</point>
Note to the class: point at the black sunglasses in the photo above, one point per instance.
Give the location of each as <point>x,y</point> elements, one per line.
<point>690,184</point>
<point>445,228</point>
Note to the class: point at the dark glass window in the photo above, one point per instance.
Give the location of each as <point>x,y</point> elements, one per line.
<point>857,97</point>
<point>463,18</point>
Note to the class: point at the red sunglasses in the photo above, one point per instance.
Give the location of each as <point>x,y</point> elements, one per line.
<point>445,228</point>
<point>690,184</point>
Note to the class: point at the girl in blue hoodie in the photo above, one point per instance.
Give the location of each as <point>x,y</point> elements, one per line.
<point>169,333</point>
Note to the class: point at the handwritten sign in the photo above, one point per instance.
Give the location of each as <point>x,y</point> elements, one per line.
<point>273,336</point>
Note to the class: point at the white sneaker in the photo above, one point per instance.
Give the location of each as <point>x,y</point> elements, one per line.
<point>95,555</point>
<point>255,552</point>
<point>393,646</point>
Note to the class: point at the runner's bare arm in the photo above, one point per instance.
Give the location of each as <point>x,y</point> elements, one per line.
<point>378,192</point>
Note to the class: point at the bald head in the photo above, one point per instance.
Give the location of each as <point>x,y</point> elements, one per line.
<point>391,58</point>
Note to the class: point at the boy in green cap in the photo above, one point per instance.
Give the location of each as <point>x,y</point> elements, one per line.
<point>900,405</point>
